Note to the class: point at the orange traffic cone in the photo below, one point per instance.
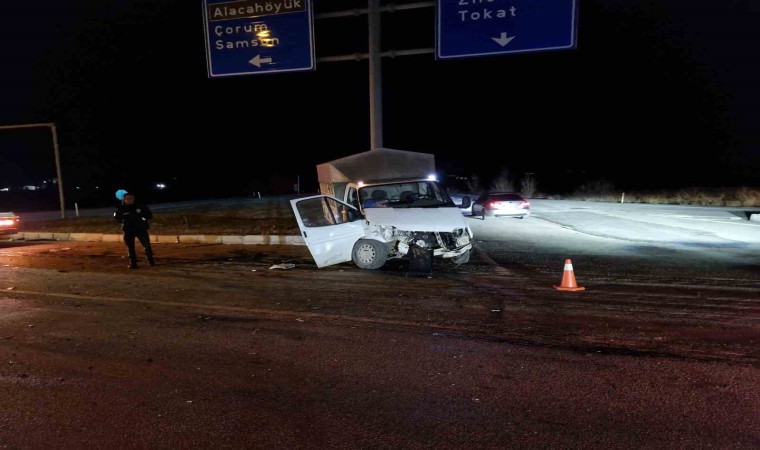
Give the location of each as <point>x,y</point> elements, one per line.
<point>568,279</point>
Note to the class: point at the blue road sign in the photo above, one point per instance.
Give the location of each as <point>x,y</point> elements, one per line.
<point>493,27</point>
<point>245,37</point>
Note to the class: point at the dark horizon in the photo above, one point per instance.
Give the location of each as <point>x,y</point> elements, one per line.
<point>654,97</point>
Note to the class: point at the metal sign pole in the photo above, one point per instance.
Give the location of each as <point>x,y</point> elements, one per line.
<point>375,55</point>
<point>375,77</point>
<point>54,131</point>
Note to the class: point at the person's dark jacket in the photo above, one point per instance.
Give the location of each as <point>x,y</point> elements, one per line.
<point>133,217</point>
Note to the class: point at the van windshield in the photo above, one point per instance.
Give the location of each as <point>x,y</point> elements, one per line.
<point>412,194</point>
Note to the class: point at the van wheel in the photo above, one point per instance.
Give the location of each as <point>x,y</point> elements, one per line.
<point>369,254</point>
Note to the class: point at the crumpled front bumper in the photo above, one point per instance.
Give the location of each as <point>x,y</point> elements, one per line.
<point>444,253</point>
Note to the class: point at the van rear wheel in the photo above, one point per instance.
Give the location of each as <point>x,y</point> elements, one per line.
<point>369,254</point>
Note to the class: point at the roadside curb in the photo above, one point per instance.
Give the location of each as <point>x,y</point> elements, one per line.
<point>249,239</point>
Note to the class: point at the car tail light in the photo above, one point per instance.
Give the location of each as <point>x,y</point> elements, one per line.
<point>493,205</point>
<point>525,204</point>
<point>7,222</point>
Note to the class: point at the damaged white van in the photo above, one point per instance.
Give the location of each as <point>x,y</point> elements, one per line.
<point>376,221</point>
<point>391,219</point>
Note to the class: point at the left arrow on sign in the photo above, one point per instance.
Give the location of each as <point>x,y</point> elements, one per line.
<point>258,61</point>
<point>503,39</point>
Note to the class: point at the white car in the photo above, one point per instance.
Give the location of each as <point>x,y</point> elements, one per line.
<point>501,204</point>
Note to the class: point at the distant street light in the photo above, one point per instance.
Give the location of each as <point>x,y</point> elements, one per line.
<point>54,132</point>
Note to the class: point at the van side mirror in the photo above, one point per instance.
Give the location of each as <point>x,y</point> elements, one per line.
<point>466,202</point>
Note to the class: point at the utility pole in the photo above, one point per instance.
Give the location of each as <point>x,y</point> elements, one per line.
<point>54,132</point>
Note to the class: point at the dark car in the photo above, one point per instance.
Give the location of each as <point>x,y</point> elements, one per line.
<point>8,223</point>
<point>501,204</point>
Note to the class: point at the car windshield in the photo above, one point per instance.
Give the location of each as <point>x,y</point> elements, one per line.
<point>412,194</point>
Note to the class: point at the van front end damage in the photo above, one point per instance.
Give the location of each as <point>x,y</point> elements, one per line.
<point>337,232</point>
<point>443,244</point>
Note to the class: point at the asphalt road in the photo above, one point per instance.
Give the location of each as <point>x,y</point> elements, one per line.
<point>608,242</point>
<point>211,349</point>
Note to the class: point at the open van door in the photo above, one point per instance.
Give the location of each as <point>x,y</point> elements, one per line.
<point>329,227</point>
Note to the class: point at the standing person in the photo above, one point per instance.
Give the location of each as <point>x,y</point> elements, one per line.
<point>134,219</point>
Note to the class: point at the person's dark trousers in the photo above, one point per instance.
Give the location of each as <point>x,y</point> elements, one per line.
<point>142,236</point>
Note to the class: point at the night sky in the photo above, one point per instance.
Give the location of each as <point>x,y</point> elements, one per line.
<point>656,95</point>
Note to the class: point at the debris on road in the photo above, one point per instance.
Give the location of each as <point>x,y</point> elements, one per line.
<point>282,266</point>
